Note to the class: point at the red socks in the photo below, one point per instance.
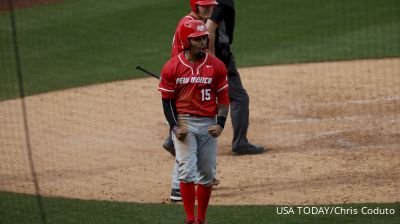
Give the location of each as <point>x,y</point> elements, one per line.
<point>203,197</point>
<point>188,192</point>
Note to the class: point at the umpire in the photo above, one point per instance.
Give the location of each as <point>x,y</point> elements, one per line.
<point>221,26</point>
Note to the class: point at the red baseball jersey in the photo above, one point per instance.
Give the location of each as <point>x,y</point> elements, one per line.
<point>195,86</point>
<point>177,45</point>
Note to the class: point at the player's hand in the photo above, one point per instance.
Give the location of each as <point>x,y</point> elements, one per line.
<point>215,130</point>
<point>180,132</point>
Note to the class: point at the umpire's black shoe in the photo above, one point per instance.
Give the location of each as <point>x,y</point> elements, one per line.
<point>249,149</point>
<point>175,195</point>
<point>169,145</point>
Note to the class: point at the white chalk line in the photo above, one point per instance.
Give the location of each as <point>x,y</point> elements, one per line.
<point>334,135</point>
<point>342,118</point>
<point>359,101</point>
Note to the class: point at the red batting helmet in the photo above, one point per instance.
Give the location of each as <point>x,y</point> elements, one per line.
<point>192,29</point>
<point>193,3</point>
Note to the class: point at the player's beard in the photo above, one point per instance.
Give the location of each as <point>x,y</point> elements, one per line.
<point>197,54</point>
<point>201,54</point>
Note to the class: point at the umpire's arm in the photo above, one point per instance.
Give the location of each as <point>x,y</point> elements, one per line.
<point>211,27</point>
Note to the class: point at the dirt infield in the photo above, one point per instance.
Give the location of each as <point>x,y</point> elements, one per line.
<point>333,130</point>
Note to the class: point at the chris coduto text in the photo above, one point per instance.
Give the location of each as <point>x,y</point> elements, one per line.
<point>333,210</point>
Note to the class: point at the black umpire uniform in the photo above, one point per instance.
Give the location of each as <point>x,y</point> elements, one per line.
<point>224,16</point>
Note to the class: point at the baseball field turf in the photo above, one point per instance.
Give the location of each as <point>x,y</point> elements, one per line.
<point>75,43</point>
<point>21,209</point>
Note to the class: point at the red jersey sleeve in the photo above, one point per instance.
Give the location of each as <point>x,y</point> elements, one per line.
<point>167,83</point>
<point>177,44</point>
<point>222,83</point>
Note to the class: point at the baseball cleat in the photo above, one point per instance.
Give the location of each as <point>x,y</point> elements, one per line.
<point>175,195</point>
<point>216,182</point>
<point>249,149</point>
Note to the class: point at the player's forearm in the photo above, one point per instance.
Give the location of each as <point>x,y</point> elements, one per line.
<point>223,110</point>
<point>222,113</point>
<point>170,112</point>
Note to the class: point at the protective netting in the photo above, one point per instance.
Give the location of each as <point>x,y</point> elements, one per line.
<point>74,124</point>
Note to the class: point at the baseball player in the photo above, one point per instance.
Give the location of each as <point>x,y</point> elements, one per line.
<point>191,82</point>
<point>221,26</point>
<point>200,10</point>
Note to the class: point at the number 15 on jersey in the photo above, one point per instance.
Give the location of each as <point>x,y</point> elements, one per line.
<point>205,94</point>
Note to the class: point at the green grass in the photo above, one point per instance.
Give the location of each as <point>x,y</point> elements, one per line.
<point>21,208</point>
<point>288,31</point>
<point>76,43</point>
